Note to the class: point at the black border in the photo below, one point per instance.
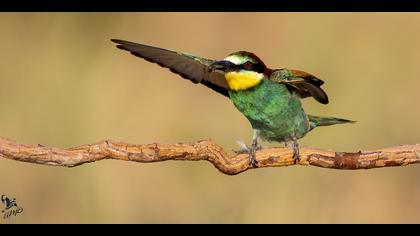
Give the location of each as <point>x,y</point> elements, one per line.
<point>208,6</point>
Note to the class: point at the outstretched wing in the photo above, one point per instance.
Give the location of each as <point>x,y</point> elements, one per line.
<point>304,84</point>
<point>195,69</point>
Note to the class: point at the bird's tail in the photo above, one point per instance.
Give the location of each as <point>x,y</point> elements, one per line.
<point>315,121</point>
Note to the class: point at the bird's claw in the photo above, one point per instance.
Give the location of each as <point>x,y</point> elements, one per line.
<point>296,157</point>
<point>243,148</point>
<point>252,158</point>
<point>296,152</point>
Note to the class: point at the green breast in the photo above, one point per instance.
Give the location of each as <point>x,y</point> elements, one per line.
<point>272,109</point>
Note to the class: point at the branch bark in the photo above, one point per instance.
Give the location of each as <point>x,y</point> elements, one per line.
<point>209,151</point>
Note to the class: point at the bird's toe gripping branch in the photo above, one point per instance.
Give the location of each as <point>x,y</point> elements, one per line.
<point>251,151</point>
<point>296,151</point>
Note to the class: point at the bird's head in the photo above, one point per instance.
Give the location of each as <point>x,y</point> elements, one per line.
<point>243,70</point>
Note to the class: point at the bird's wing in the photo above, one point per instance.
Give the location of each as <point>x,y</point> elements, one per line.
<point>195,69</point>
<point>304,84</point>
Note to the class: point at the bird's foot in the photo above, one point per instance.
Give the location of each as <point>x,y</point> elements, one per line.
<point>296,157</point>
<point>252,158</point>
<point>296,152</point>
<point>243,148</point>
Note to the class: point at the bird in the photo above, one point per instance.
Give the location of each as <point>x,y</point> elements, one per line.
<point>269,98</point>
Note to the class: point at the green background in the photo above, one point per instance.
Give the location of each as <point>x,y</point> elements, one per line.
<point>63,84</point>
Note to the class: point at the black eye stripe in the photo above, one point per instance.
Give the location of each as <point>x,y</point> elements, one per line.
<point>252,67</point>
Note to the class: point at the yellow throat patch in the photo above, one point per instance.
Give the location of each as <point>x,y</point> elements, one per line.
<point>241,80</point>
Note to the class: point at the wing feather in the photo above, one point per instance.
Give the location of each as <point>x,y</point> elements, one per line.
<point>195,69</point>
<point>304,84</point>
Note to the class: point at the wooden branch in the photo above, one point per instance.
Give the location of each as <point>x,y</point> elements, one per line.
<point>210,151</point>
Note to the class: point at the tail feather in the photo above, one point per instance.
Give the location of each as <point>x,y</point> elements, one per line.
<point>315,121</point>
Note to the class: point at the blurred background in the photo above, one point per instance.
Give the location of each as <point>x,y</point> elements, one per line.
<point>63,84</point>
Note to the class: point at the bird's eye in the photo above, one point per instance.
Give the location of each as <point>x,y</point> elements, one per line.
<point>248,65</point>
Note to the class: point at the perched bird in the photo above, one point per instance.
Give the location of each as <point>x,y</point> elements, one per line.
<point>269,98</point>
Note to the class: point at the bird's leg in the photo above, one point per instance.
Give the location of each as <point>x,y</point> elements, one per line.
<point>254,148</point>
<point>243,148</point>
<point>295,151</point>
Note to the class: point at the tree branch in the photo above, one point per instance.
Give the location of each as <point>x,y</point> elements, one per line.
<point>210,151</point>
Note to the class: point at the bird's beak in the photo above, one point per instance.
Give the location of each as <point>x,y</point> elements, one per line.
<point>222,65</point>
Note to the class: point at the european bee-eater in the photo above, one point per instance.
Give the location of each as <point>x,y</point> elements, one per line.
<point>269,98</point>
